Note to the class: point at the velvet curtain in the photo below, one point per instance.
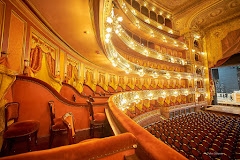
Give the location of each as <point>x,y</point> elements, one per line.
<point>51,64</point>
<point>35,59</point>
<point>231,43</point>
<point>230,46</point>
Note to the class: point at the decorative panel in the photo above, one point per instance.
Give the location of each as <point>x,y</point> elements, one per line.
<point>16,41</point>
<point>2,10</point>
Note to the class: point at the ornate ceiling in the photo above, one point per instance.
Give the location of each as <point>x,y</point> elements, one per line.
<point>199,14</point>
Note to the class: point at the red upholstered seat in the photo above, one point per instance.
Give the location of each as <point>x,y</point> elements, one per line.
<point>177,144</point>
<point>20,129</point>
<point>193,144</point>
<point>225,157</point>
<point>68,120</point>
<point>216,147</point>
<point>170,140</point>
<point>96,119</point>
<point>17,129</point>
<point>157,134</point>
<point>191,157</point>
<point>227,151</point>
<point>185,148</point>
<point>206,156</point>
<point>195,152</point>
<point>163,138</point>
<point>202,148</point>
<point>57,125</point>
<point>183,153</point>
<point>185,140</point>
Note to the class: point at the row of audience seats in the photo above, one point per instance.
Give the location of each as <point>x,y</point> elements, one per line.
<point>137,112</point>
<point>200,135</point>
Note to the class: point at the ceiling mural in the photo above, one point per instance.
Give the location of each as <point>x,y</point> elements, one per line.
<point>173,5</point>
<point>217,14</point>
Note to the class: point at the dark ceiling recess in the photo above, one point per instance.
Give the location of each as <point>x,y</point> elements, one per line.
<point>115,5</point>
<point>233,60</point>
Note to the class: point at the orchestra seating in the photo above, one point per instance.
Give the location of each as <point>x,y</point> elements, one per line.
<point>200,135</point>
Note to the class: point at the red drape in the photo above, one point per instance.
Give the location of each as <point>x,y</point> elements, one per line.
<point>231,43</point>
<point>51,63</point>
<point>36,59</point>
<point>230,46</point>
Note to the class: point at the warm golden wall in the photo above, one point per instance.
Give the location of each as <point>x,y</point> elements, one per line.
<point>35,51</point>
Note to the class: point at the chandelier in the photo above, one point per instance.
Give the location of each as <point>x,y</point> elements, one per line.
<point>112,24</point>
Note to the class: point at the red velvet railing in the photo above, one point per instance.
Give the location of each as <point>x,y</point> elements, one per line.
<point>70,93</point>
<point>149,147</point>
<point>33,96</point>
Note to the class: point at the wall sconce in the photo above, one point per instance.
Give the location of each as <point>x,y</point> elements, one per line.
<point>167,76</point>
<point>26,63</point>
<point>4,54</point>
<point>155,75</point>
<point>26,67</point>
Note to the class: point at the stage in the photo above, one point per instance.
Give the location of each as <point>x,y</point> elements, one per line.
<point>222,109</point>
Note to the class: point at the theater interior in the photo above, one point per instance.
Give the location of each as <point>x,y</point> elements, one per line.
<point>118,79</point>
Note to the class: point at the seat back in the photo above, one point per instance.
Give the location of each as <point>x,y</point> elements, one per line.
<point>68,119</point>
<point>11,113</point>
<point>90,98</point>
<point>91,112</point>
<point>52,111</point>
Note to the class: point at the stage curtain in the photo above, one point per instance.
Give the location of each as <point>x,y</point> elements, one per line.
<point>230,46</point>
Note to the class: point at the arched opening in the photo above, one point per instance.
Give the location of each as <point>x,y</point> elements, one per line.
<point>136,5</point>
<point>168,23</point>
<point>160,19</point>
<point>144,11</point>
<point>153,16</point>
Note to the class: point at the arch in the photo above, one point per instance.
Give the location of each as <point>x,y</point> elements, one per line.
<point>144,11</point>
<point>160,19</point>
<point>136,5</point>
<point>136,38</point>
<point>153,16</point>
<point>168,23</point>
